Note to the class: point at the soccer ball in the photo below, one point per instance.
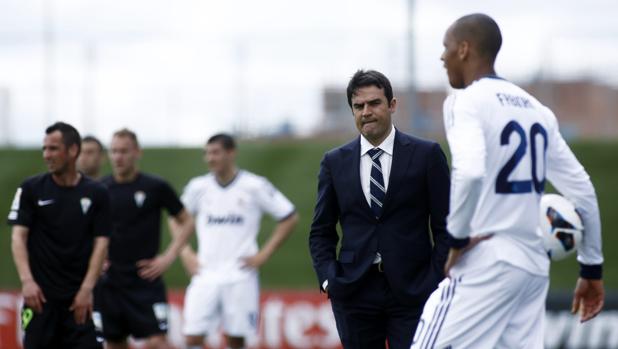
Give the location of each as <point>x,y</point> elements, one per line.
<point>560,226</point>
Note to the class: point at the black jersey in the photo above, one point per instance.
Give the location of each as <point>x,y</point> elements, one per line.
<point>63,223</point>
<point>136,218</point>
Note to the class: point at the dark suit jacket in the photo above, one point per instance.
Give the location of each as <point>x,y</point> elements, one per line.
<point>416,199</point>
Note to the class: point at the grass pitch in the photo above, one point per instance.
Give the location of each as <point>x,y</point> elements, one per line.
<point>292,166</point>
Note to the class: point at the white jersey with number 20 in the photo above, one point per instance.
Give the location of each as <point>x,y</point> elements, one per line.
<point>505,144</point>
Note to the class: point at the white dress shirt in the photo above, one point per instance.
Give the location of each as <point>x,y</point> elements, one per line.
<point>386,160</point>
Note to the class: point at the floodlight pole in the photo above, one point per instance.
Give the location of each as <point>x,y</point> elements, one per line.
<point>49,91</point>
<point>413,109</point>
<point>5,117</point>
<point>89,88</point>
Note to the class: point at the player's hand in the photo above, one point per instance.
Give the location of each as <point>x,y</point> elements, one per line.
<point>455,253</point>
<point>588,298</point>
<point>254,262</point>
<point>33,295</point>
<point>150,269</point>
<point>82,306</point>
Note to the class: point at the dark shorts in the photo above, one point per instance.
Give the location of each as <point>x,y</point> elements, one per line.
<point>55,327</point>
<point>122,311</point>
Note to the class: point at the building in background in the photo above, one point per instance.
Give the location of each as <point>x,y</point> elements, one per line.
<point>585,109</point>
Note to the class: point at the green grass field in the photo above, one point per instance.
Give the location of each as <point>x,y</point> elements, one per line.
<point>292,166</point>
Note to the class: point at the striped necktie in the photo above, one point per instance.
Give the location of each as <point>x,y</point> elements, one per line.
<point>376,182</point>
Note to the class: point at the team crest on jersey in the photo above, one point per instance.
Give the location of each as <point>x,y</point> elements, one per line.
<point>139,197</point>
<point>85,202</point>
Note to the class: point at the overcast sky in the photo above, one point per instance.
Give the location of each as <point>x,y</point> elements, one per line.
<point>179,70</point>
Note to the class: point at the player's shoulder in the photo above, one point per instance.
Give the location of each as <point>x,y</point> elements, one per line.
<point>107,180</point>
<point>480,90</point>
<point>36,180</point>
<point>515,95</point>
<point>91,183</point>
<point>252,183</point>
<point>200,182</point>
<point>88,185</point>
<point>152,179</point>
<point>250,179</point>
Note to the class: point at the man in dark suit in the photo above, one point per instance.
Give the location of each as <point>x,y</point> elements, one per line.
<point>389,193</point>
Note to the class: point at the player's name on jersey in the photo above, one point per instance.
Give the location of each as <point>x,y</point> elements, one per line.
<point>513,101</point>
<point>228,219</point>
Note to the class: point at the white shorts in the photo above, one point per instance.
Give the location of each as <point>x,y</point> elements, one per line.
<point>211,306</point>
<point>499,306</point>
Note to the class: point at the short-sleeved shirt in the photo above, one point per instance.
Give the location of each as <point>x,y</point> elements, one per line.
<point>136,218</point>
<point>63,223</point>
<point>228,220</point>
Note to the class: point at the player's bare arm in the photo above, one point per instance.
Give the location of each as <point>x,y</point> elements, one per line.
<point>181,229</point>
<point>588,298</point>
<point>188,257</point>
<point>32,293</point>
<point>281,232</point>
<point>82,303</point>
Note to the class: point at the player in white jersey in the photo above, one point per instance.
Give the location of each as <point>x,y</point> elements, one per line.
<point>504,144</point>
<point>227,204</point>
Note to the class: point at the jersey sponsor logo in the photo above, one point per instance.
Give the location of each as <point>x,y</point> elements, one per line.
<point>45,202</point>
<point>229,219</point>
<point>86,203</point>
<point>139,198</point>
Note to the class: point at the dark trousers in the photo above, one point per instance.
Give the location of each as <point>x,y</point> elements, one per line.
<point>372,316</point>
<point>55,327</point>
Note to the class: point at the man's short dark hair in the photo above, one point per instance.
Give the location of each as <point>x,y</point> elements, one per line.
<point>226,140</point>
<point>93,139</point>
<point>125,132</point>
<point>364,78</point>
<point>69,134</point>
<point>482,32</point>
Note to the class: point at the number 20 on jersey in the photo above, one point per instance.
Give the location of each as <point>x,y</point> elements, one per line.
<point>503,184</point>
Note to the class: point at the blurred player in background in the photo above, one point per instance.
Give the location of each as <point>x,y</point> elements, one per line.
<point>504,144</point>
<point>227,204</point>
<point>130,297</point>
<point>91,157</point>
<point>61,223</point>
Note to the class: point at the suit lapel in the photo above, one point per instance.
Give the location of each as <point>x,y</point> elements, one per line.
<point>353,158</point>
<point>402,156</point>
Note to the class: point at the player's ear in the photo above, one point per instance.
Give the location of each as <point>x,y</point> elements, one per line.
<point>392,105</point>
<point>73,151</point>
<point>463,50</point>
<point>232,153</point>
